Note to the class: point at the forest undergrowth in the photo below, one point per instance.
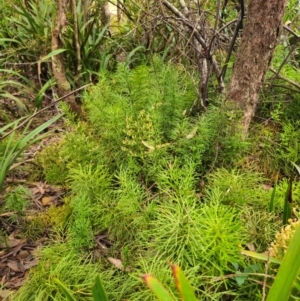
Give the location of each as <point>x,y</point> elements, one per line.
<point>150,183</point>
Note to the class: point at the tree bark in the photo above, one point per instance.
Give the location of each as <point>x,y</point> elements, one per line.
<point>58,69</point>
<point>261,31</point>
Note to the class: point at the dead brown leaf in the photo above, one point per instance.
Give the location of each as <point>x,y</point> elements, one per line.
<point>118,264</point>
<point>47,200</point>
<point>28,265</point>
<point>11,243</point>
<point>4,294</point>
<point>15,266</point>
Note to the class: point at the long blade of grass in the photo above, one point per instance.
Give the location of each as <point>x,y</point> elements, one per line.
<point>98,290</point>
<point>64,289</point>
<point>4,40</point>
<point>271,207</point>
<point>260,256</point>
<point>19,102</point>
<point>184,288</point>
<point>26,80</point>
<point>287,207</point>
<point>297,167</point>
<point>13,152</point>
<point>157,288</point>
<point>40,95</point>
<point>132,52</point>
<point>11,125</point>
<point>288,271</point>
<point>4,166</point>
<point>36,131</point>
<point>53,53</point>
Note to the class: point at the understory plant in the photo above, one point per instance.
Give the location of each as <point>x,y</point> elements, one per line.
<point>146,186</point>
<point>13,147</point>
<point>59,261</point>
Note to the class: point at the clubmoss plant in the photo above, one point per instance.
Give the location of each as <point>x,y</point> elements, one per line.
<point>261,226</point>
<point>88,184</point>
<point>239,187</point>
<point>18,199</point>
<point>132,170</point>
<point>59,260</point>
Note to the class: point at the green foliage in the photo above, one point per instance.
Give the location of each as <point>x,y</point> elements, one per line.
<point>132,170</point>
<point>137,112</point>
<point>183,286</point>
<point>14,149</point>
<point>239,187</point>
<point>59,260</point>
<point>207,235</point>
<point>99,293</point>
<point>17,200</point>
<point>91,40</point>
<point>286,278</point>
<point>88,184</point>
<point>51,161</point>
<point>25,45</point>
<point>289,149</point>
<point>286,284</point>
<point>261,226</point>
<point>281,192</point>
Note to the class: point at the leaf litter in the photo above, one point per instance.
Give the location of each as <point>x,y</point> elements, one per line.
<point>18,254</point>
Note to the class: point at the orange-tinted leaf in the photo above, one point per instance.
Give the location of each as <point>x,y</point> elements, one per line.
<point>157,288</point>
<point>184,288</point>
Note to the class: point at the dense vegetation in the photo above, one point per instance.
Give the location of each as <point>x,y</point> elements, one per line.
<point>148,178</point>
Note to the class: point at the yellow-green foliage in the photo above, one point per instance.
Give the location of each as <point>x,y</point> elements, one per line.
<point>236,187</point>
<point>18,199</point>
<point>53,219</point>
<point>61,261</point>
<point>53,164</point>
<point>143,105</point>
<point>140,137</point>
<point>132,170</point>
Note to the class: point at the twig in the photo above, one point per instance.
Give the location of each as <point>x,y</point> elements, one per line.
<point>285,87</point>
<point>237,28</point>
<point>184,7</point>
<point>292,32</point>
<point>241,274</point>
<point>42,110</point>
<point>283,63</point>
<point>265,278</point>
<point>186,22</point>
<point>285,79</point>
<point>213,40</point>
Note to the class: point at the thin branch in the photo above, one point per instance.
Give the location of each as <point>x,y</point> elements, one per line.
<point>184,7</point>
<point>292,32</point>
<point>237,28</point>
<point>285,79</point>
<point>265,278</point>
<point>285,87</point>
<point>283,63</point>
<point>186,22</point>
<point>213,40</point>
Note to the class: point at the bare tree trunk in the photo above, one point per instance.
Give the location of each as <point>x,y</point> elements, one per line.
<point>261,31</point>
<point>59,74</point>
